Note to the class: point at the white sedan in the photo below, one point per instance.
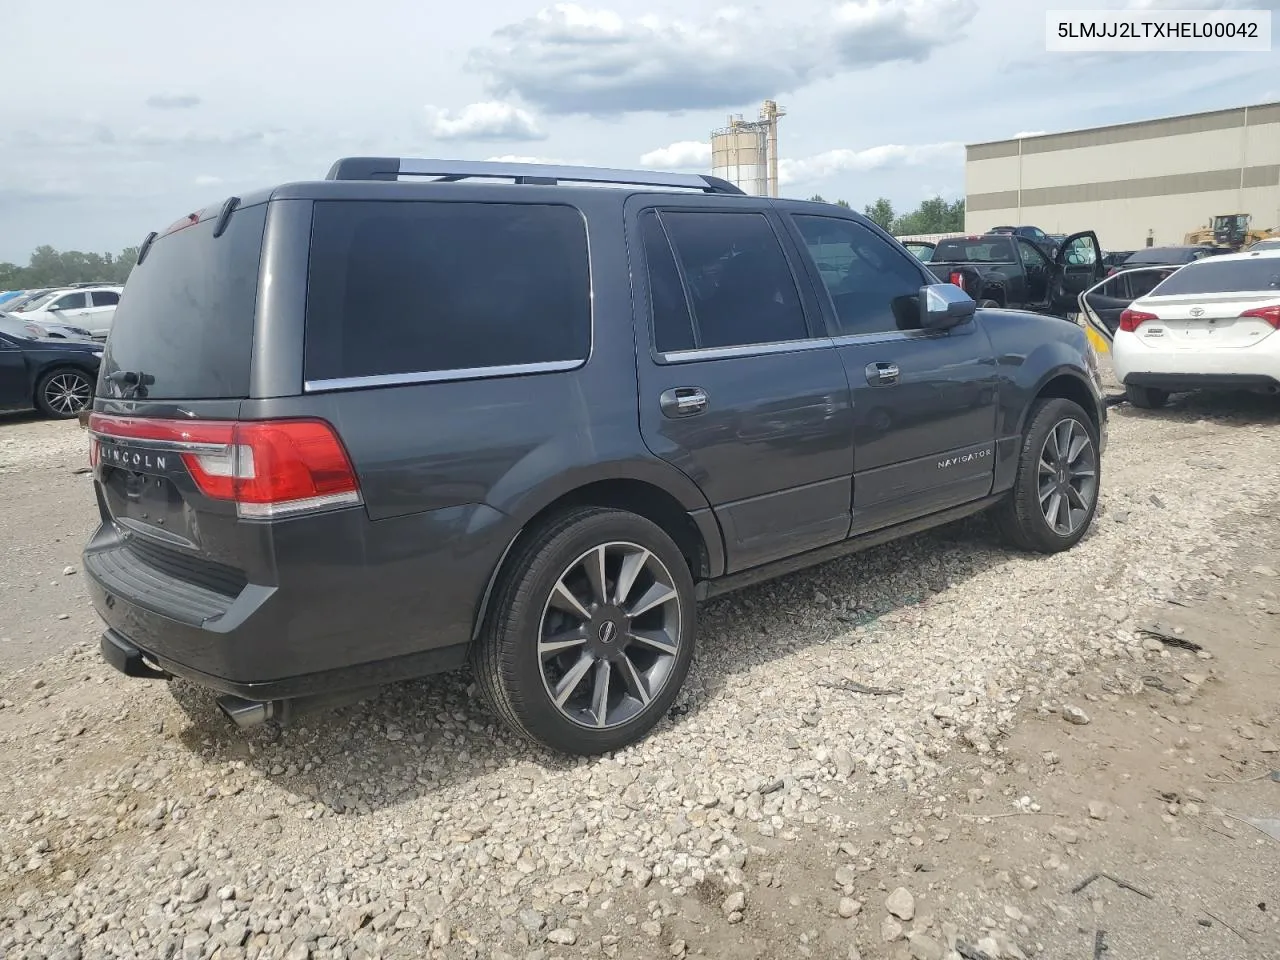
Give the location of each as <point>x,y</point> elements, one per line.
<point>1214,324</point>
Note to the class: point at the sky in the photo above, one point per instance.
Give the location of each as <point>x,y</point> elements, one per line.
<point>145,110</point>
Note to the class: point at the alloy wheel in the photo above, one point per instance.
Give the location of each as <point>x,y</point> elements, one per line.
<point>609,635</point>
<point>68,393</point>
<point>1068,477</point>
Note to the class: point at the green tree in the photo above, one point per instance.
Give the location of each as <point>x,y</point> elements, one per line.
<point>48,267</point>
<point>880,213</point>
<point>818,198</point>
<point>843,203</point>
<point>934,215</point>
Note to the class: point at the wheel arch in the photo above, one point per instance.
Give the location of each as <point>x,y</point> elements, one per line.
<point>1065,383</point>
<point>697,534</point>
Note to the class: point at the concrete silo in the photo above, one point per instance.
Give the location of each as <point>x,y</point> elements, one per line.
<point>746,152</point>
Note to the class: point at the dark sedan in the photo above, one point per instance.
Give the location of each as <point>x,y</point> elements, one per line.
<point>1175,256</point>
<point>55,376</point>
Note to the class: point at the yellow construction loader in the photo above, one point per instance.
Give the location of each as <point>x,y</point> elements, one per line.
<point>1229,230</point>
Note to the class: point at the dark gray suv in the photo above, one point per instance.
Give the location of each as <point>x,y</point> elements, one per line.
<point>369,428</point>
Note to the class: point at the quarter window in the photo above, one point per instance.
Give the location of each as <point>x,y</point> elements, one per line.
<point>418,287</point>
<point>873,287</point>
<point>105,298</point>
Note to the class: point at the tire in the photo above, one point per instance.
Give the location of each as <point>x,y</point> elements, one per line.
<point>1148,398</point>
<point>988,303</point>
<point>644,673</point>
<point>1023,516</point>
<point>62,393</point>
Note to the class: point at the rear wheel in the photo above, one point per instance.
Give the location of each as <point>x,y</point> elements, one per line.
<point>63,393</point>
<point>1148,398</point>
<point>1055,494</point>
<point>591,632</point>
<point>988,303</point>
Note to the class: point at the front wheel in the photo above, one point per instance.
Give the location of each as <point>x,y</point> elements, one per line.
<point>63,393</point>
<point>591,632</point>
<point>988,303</point>
<point>1055,494</point>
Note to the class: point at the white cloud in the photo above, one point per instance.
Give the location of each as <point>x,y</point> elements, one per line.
<point>489,120</point>
<point>206,180</point>
<point>833,162</point>
<point>681,155</point>
<point>572,59</point>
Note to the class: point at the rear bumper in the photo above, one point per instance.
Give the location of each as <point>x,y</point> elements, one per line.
<point>1175,382</point>
<point>1134,359</point>
<point>354,604</point>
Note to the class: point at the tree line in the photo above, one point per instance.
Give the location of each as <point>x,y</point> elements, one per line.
<point>48,267</point>
<point>934,215</point>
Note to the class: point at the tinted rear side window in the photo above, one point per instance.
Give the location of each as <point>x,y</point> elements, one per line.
<point>186,315</point>
<point>1224,276</point>
<point>428,286</point>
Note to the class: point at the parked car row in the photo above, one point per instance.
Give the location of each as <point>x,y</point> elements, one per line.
<point>88,308</point>
<point>53,375</point>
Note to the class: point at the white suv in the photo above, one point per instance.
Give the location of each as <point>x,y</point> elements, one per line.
<point>89,307</point>
<point>1213,324</point>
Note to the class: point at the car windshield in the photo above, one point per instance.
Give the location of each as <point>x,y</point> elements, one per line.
<point>1163,255</point>
<point>40,302</point>
<point>983,250</point>
<point>1260,275</point>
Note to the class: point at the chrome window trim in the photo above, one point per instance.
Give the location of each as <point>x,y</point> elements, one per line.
<point>745,350</point>
<point>441,376</point>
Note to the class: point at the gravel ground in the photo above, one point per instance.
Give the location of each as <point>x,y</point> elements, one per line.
<point>826,753</point>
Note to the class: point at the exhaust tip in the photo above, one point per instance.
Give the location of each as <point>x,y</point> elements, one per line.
<point>246,713</point>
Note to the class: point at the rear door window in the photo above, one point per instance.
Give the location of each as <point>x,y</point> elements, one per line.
<point>186,316</point>
<point>418,287</point>
<point>738,283</point>
<point>1261,275</point>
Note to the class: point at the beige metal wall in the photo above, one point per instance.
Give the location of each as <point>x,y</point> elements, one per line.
<point>1157,179</point>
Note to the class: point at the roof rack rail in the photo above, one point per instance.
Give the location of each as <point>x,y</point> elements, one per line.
<point>92,283</point>
<point>451,171</point>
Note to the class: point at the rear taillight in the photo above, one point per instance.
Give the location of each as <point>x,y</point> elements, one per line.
<point>268,468</point>
<point>1130,320</point>
<point>1111,271</point>
<point>1270,314</point>
<point>957,278</point>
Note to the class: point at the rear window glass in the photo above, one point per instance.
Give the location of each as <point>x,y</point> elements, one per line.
<point>429,286</point>
<point>987,250</point>
<point>1165,255</point>
<point>1223,276</point>
<point>185,319</point>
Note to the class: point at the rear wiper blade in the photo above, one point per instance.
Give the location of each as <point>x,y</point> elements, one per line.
<point>135,383</point>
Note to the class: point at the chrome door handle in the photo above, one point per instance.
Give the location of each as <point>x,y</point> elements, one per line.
<point>683,401</point>
<point>882,373</point>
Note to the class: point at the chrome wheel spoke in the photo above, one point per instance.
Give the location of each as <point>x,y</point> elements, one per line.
<point>569,682</point>
<point>600,694</point>
<point>1075,498</point>
<point>632,565</point>
<point>594,567</point>
<point>563,599</point>
<point>654,597</point>
<point>561,642</point>
<point>636,684</point>
<point>654,640</point>
<point>1051,509</point>
<point>1078,446</point>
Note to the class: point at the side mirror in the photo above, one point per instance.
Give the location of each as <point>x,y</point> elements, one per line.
<point>944,305</point>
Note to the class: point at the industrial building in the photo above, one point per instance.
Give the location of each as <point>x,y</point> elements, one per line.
<point>1137,184</point>
<point>746,151</point>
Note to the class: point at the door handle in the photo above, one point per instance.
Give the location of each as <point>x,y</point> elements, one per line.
<point>882,373</point>
<point>683,401</point>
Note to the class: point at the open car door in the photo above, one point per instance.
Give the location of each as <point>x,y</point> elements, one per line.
<point>1101,305</point>
<point>1077,267</point>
